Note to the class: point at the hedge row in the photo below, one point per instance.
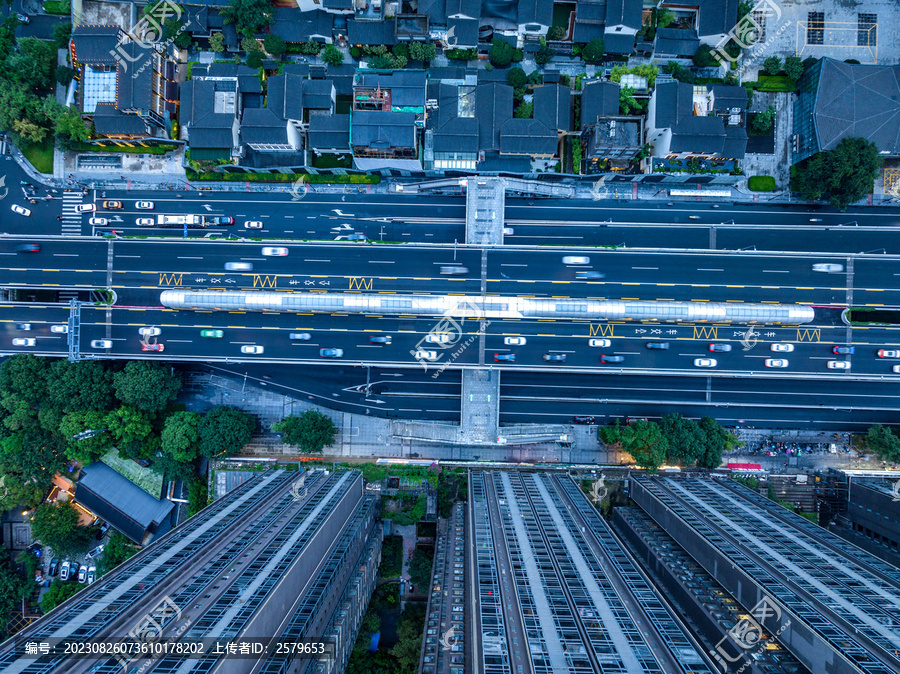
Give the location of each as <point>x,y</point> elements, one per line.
<point>345,179</point>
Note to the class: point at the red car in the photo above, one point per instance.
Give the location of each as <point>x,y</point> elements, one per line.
<point>152,347</point>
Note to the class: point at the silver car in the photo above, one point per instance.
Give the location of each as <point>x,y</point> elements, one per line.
<point>239,266</point>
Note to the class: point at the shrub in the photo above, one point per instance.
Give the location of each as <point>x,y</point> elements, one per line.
<point>255,59</point>
<point>703,57</point>
<point>763,122</point>
<point>544,54</point>
<point>501,53</point>
<point>793,67</point>
<point>462,54</point>
<point>332,55</point>
<point>593,51</point>
<point>516,77</point>
<point>761,183</point>
<point>772,65</point>
<point>556,33</point>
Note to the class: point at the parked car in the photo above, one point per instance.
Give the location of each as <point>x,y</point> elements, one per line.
<point>145,222</point>
<point>589,275</point>
<point>380,339</point>
<point>149,332</point>
<point>274,251</point>
<point>584,420</point>
<point>101,344</point>
<point>54,566</point>
<point>28,248</point>
<point>91,574</point>
<point>720,348</point>
<point>152,347</point>
<point>23,18</point>
<point>599,342</point>
<point>252,348</point>
<point>782,348</point>
<point>61,329</point>
<point>253,224</point>
<point>887,353</point>
<point>24,327</point>
<point>239,266</point>
<point>514,341</point>
<point>576,259</point>
<point>775,362</point>
<point>300,335</point>
<point>85,208</point>
<point>65,570</point>
<point>20,210</point>
<point>657,345</point>
<point>612,359</point>
<point>830,268</point>
<point>144,205</point>
<point>838,364</point>
<point>437,337</point>
<point>112,204</point>
<point>454,270</point>
<point>331,353</point>
<point>555,357</point>
<point>21,341</point>
<point>843,350</point>
<point>212,334</point>
<point>101,532</point>
<point>705,362</point>
<point>508,357</point>
<point>82,574</point>
<point>98,222</point>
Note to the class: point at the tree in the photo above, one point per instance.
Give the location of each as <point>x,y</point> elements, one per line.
<point>409,640</point>
<point>332,55</point>
<point>249,16</point>
<point>524,111</point>
<point>847,173</point>
<point>85,450</point>
<point>275,45</point>
<point>772,65</point>
<point>84,385</point>
<point>501,53</point>
<point>664,18</point>
<point>64,75</point>
<point>29,130</point>
<point>11,589</point>
<point>129,426</point>
<point>250,45</point>
<point>118,549</point>
<point>171,469</point>
<point>703,57</point>
<point>401,49</point>
<point>884,443</point>
<point>70,128</point>
<point>181,437</point>
<point>763,122</point>
<point>312,431</point>
<point>422,52</point>
<point>198,495</point>
<point>717,440</point>
<point>556,33</point>
<point>593,51</point>
<point>685,438</point>
<point>516,77</point>
<point>33,63</point>
<point>645,441</point>
<point>793,67</point>
<point>217,42</point>
<point>57,593</point>
<point>62,33</point>
<point>420,569</point>
<point>146,385</point>
<point>57,526</point>
<point>255,60</point>
<point>224,431</point>
<point>24,376</point>
<point>627,103</point>
<point>310,48</point>
<point>544,54</point>
<point>16,493</point>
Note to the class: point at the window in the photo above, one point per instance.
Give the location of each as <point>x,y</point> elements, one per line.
<point>867,30</point>
<point>815,28</point>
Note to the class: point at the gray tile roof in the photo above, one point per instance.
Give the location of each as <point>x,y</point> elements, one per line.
<point>329,132</point>
<point>858,101</point>
<point>493,107</point>
<point>120,502</point>
<point>618,43</point>
<point>699,134</point>
<point>527,137</point>
<point>465,32</point>
<point>341,5</point>
<point>371,32</point>
<point>259,125</point>
<point>624,13</point>
<point>134,83</point>
<point>598,98</point>
<point>247,77</point>
<point>590,18</point>
<point>469,8</point>
<point>407,86</point>
<point>705,133</point>
<point>195,19</point>
<point>111,122</point>
<point>536,11</point>
<point>676,42</point>
<point>735,145</point>
<point>284,96</point>
<point>206,127</point>
<point>296,26</point>
<point>377,129</point>
<point>434,10</point>
<point>453,133</point>
<point>716,17</point>
<point>553,106</point>
<point>317,94</point>
<point>726,96</point>
<point>96,45</point>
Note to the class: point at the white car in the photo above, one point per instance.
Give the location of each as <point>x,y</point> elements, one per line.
<point>896,369</point>
<point>599,342</point>
<point>238,266</point>
<point>98,222</point>
<point>24,341</point>
<point>253,224</point>
<point>85,208</point>
<point>145,222</point>
<point>775,362</point>
<point>149,332</point>
<point>838,364</point>
<point>705,362</point>
<point>437,338</point>
<point>421,354</point>
<point>144,205</point>
<point>576,259</point>
<point>101,344</point>
<point>61,329</point>
<point>274,251</point>
<point>514,341</point>
<point>251,348</point>
<point>20,210</point>
<point>885,353</point>
<point>82,574</point>
<point>782,348</point>
<point>507,231</point>
<point>830,268</point>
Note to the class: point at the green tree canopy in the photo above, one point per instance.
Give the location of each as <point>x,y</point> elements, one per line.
<point>645,441</point>
<point>556,33</point>
<point>85,450</point>
<point>224,431</point>
<point>118,549</point>
<point>31,457</point>
<point>70,128</point>
<point>128,425</point>
<point>57,526</point>
<point>312,431</point>
<point>524,110</point>
<point>544,54</point>
<point>180,436</point>
<point>594,50</point>
<point>62,33</point>
<point>501,52</point>
<point>772,65</point>
<point>25,375</point>
<point>703,57</point>
<point>717,440</point>
<point>255,59</point>
<point>884,443</point>
<point>248,16</point>
<point>686,440</point>
<point>34,63</point>
<point>217,42</point>
<point>793,67</point>
<point>81,386</point>
<point>146,385</point>
<point>516,77</point>
<point>332,55</point>
<point>422,52</point>
<point>16,493</point>
<point>57,593</point>
<point>275,45</point>
<point>409,640</point>
<point>763,121</point>
<point>420,570</point>
<point>847,173</point>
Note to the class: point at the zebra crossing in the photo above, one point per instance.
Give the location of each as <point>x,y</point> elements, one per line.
<point>71,220</point>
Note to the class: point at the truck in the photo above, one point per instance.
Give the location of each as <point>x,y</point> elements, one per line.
<point>179,220</point>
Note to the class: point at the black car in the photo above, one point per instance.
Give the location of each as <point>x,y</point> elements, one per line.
<point>555,357</point>
<point>657,345</point>
<point>101,532</point>
<point>380,339</point>
<point>612,359</point>
<point>54,566</point>
<point>583,420</point>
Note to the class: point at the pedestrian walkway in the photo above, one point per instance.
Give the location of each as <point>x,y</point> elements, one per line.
<point>71,219</point>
